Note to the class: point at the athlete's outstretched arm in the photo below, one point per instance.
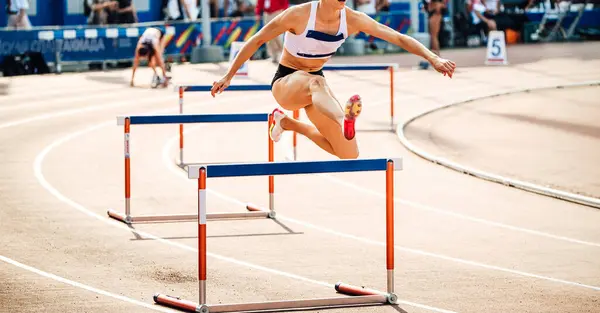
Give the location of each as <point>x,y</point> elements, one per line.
<point>274,28</point>
<point>361,22</point>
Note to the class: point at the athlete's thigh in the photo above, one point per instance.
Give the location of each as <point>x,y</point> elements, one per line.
<point>343,148</point>
<point>292,91</point>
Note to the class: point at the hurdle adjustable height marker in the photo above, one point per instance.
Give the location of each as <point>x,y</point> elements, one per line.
<point>181,119</point>
<point>354,295</point>
<point>389,222</point>
<point>181,162</point>
<point>127,169</point>
<point>202,235</point>
<point>391,69</point>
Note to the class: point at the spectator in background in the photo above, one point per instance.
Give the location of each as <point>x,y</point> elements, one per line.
<point>126,13</point>
<point>435,10</point>
<point>268,10</point>
<point>479,19</point>
<point>17,14</point>
<point>187,10</point>
<point>190,9</point>
<point>383,6</point>
<point>100,12</point>
<point>238,8</point>
<point>366,6</point>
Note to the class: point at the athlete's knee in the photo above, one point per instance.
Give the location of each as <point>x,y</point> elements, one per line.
<point>348,153</point>
<point>317,82</point>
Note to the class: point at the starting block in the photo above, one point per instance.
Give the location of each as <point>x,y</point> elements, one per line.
<point>355,295</point>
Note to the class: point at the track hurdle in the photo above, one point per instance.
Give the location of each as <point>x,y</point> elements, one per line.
<point>358,295</point>
<point>127,121</point>
<point>205,88</point>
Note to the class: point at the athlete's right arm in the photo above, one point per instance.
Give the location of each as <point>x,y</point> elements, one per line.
<point>287,20</point>
<point>136,62</point>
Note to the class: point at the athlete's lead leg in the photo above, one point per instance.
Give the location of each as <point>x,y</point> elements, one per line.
<point>300,89</point>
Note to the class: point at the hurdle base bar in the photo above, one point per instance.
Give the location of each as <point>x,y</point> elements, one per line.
<point>184,217</point>
<point>272,305</point>
<point>352,290</point>
<point>254,208</point>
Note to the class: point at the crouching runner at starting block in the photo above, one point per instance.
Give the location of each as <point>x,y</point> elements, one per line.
<point>150,46</point>
<point>313,33</point>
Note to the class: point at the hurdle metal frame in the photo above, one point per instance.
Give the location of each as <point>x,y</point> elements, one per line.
<point>127,121</point>
<point>359,295</point>
<point>391,67</point>
<point>205,88</point>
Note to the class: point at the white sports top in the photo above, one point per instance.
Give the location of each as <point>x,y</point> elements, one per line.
<point>151,35</point>
<point>312,44</point>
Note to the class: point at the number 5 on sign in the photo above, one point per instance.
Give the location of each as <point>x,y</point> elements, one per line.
<point>233,51</point>
<point>496,49</point>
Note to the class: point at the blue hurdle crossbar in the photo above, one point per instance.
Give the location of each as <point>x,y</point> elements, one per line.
<point>292,168</point>
<point>193,118</point>
<point>360,67</point>
<point>230,88</point>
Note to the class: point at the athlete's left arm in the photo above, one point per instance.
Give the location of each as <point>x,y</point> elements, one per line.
<point>361,22</point>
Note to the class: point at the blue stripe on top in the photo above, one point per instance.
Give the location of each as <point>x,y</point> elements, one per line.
<point>315,34</point>
<point>199,118</point>
<point>230,88</point>
<point>315,55</point>
<point>291,168</point>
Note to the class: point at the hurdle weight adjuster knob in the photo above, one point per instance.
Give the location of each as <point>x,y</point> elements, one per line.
<point>392,298</point>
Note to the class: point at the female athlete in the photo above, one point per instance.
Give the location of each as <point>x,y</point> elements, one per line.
<point>151,46</point>
<point>313,33</point>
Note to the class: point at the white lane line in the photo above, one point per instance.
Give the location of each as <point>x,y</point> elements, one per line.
<point>440,256</point>
<point>80,285</point>
<point>137,101</point>
<point>459,215</point>
<point>46,185</point>
<point>47,99</point>
<point>179,172</point>
<point>87,109</point>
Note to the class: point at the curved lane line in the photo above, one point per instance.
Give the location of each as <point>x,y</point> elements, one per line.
<point>550,192</point>
<point>46,185</point>
<point>80,285</point>
<point>461,216</point>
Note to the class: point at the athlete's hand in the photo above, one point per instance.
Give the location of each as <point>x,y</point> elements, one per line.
<point>443,66</point>
<point>220,85</point>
